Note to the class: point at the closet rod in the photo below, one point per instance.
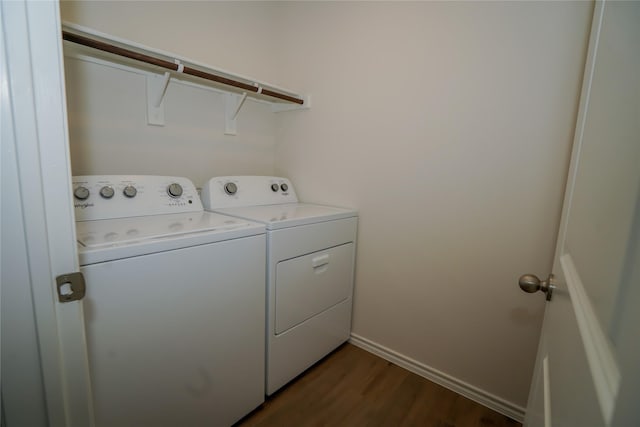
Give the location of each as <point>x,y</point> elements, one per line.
<point>106,47</point>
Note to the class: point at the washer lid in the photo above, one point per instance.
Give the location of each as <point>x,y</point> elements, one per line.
<point>289,215</point>
<point>103,240</point>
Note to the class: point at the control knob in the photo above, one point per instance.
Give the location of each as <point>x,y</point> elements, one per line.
<point>274,187</point>
<point>174,190</point>
<point>230,188</point>
<point>130,191</point>
<point>81,193</point>
<point>284,187</point>
<point>107,192</point>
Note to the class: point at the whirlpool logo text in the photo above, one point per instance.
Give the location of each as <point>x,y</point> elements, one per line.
<point>83,205</point>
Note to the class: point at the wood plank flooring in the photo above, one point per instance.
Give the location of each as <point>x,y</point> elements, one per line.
<point>352,387</point>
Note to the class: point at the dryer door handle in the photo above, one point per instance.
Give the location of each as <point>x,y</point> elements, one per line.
<point>319,261</point>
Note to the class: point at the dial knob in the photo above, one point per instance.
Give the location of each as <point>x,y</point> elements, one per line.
<point>274,187</point>
<point>107,192</point>
<point>174,190</point>
<point>81,193</point>
<point>130,191</point>
<point>284,187</point>
<point>230,188</point>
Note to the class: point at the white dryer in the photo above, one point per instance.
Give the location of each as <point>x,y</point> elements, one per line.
<point>174,306</point>
<point>310,269</point>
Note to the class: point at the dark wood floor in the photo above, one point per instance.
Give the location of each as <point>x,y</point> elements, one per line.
<point>352,387</point>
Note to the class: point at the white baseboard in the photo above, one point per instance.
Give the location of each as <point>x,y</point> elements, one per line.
<point>489,400</point>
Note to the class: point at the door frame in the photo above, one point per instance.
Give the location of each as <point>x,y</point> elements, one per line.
<point>602,363</point>
<point>35,89</point>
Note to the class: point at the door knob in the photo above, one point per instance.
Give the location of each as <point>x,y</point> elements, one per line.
<point>530,284</point>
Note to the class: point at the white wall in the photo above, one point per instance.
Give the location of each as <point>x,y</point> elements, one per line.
<point>448,125</point>
<point>107,106</point>
<point>237,36</point>
<point>109,133</point>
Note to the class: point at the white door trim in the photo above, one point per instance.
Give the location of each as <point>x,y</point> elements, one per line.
<point>602,363</point>
<point>598,348</point>
<point>583,109</point>
<point>36,85</point>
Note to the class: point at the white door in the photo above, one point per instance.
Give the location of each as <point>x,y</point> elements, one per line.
<point>39,229</point>
<point>588,366</point>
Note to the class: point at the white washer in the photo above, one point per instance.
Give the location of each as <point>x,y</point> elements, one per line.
<point>174,306</point>
<point>310,269</point>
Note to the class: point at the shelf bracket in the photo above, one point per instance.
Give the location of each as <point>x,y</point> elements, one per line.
<point>156,89</point>
<point>233,104</point>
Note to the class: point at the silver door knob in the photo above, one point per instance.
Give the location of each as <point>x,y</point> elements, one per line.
<point>530,283</point>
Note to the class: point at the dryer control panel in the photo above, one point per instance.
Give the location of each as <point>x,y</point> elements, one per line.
<point>122,196</point>
<point>237,191</point>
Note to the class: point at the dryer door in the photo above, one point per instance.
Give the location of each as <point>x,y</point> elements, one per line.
<point>309,284</point>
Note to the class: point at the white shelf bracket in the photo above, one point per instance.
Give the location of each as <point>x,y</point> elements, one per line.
<point>240,102</point>
<point>156,89</point>
<point>163,89</point>
<point>233,104</point>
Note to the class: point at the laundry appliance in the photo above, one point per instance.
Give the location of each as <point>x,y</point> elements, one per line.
<point>310,269</point>
<point>175,303</point>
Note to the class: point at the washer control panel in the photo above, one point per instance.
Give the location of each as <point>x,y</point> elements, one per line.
<point>236,191</point>
<point>122,196</point>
